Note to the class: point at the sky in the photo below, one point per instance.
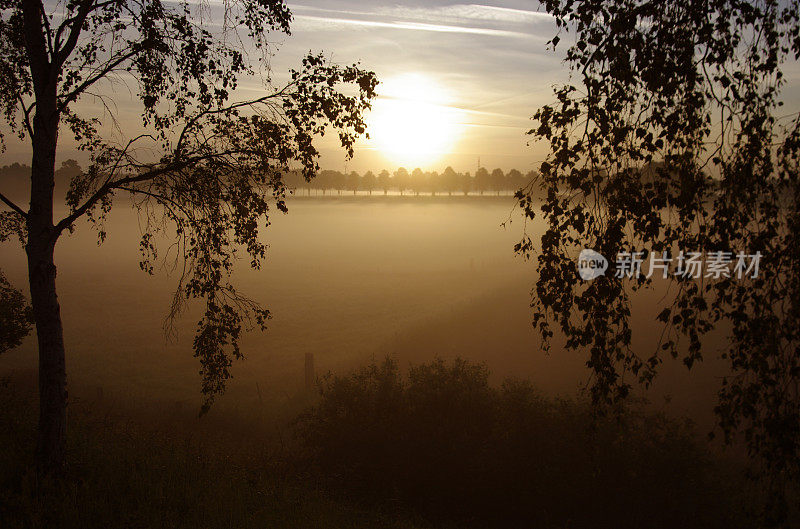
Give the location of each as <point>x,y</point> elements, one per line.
<point>459,81</point>
<point>470,74</point>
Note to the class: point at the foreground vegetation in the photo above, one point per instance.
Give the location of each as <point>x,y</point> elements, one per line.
<point>437,446</point>
<point>125,472</point>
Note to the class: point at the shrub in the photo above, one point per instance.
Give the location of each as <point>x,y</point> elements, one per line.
<point>443,442</point>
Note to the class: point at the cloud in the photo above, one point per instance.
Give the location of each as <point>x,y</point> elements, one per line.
<point>474,19</point>
<point>310,22</point>
<point>464,12</point>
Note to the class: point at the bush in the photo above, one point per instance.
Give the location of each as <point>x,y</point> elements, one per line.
<point>443,442</point>
<point>125,473</point>
<point>16,316</point>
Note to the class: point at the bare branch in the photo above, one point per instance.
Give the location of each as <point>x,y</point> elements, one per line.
<point>190,123</point>
<point>13,206</point>
<point>76,26</point>
<point>100,74</point>
<point>26,112</point>
<point>143,177</point>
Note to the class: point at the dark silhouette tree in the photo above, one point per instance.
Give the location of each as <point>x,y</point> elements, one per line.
<point>16,170</point>
<point>672,140</point>
<point>467,183</point>
<point>450,180</point>
<point>433,182</point>
<point>15,181</point>
<point>516,180</point>
<point>218,163</point>
<point>295,181</point>
<point>325,180</point>
<point>339,181</point>
<point>417,181</point>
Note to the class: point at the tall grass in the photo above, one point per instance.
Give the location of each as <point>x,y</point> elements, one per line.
<point>125,474</point>
<point>443,442</point>
<point>436,446</point>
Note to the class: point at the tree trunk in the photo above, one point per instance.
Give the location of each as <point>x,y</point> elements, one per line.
<point>42,236</point>
<point>51,444</point>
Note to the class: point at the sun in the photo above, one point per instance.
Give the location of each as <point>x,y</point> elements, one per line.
<point>411,123</point>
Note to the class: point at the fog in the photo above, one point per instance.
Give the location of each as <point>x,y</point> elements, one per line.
<point>347,278</point>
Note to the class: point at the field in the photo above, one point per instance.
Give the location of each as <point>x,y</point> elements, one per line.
<point>347,279</point>
<point>352,280</point>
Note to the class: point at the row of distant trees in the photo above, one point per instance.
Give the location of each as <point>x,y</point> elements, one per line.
<point>414,182</point>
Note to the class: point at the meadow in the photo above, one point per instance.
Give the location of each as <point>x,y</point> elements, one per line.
<point>347,279</point>
<point>352,280</point>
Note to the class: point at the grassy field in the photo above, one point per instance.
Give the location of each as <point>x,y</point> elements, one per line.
<point>128,470</point>
<point>434,446</point>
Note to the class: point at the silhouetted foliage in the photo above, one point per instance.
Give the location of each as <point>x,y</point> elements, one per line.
<point>353,182</point>
<point>445,443</point>
<point>467,183</point>
<point>401,179</point>
<point>131,463</point>
<point>203,168</point>
<point>16,317</point>
<point>417,181</point>
<point>670,140</point>
<point>498,180</point>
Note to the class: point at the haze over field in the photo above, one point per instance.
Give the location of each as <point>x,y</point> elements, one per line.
<point>347,279</point>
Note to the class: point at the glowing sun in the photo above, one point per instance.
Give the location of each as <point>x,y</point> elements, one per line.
<point>411,123</point>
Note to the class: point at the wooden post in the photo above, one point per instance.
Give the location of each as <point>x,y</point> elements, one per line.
<point>310,378</point>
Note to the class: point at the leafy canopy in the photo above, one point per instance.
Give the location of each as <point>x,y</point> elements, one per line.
<point>669,137</point>
<point>15,316</point>
<point>204,166</point>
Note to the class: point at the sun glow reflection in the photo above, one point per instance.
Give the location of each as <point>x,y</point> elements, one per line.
<point>411,123</point>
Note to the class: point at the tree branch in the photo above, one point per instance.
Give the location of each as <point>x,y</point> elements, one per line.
<point>109,186</point>
<point>68,22</point>
<point>35,42</point>
<point>13,206</point>
<point>26,112</point>
<point>108,68</point>
<point>143,177</point>
<point>234,106</point>
<point>76,26</point>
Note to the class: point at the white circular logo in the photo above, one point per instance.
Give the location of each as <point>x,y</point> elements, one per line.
<point>591,264</point>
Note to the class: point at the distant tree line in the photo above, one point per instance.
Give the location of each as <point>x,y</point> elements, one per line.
<point>15,179</point>
<point>15,170</point>
<point>416,182</point>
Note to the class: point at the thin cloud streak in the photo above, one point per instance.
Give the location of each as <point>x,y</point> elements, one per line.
<point>315,22</point>
<point>467,12</point>
<point>453,13</point>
